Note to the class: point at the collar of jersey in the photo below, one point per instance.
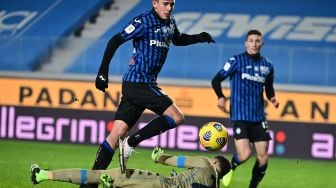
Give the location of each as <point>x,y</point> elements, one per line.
<point>255,57</point>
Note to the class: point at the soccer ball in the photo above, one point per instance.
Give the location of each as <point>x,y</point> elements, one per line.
<point>213,136</point>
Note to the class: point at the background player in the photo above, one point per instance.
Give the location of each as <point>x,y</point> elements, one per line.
<point>249,73</point>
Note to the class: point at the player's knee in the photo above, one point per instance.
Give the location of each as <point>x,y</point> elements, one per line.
<point>180,119</point>
<point>119,129</point>
<point>262,158</point>
<point>244,154</point>
<point>244,157</point>
<point>177,118</point>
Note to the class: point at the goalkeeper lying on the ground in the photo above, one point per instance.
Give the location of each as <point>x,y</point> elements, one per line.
<point>199,172</point>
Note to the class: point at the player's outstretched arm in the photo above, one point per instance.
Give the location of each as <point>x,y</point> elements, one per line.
<point>180,161</point>
<point>182,39</point>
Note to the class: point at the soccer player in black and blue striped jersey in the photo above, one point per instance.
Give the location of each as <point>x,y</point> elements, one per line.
<point>249,74</point>
<point>152,33</point>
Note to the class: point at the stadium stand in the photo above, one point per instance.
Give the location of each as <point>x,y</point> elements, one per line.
<point>301,44</point>
<point>30,29</point>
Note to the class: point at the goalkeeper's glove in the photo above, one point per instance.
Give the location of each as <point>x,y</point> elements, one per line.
<point>101,82</point>
<point>156,152</point>
<point>173,173</point>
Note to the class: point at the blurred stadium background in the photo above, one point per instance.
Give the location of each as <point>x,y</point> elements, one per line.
<point>51,49</point>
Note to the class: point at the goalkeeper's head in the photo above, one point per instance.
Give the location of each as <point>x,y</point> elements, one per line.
<point>222,165</point>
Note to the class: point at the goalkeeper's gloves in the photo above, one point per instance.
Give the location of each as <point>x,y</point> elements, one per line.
<point>205,37</point>
<point>156,152</point>
<point>101,82</point>
<point>173,173</point>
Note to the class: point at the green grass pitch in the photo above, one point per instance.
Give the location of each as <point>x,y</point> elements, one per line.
<point>16,157</point>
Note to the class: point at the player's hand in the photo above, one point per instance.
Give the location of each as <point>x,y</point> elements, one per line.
<point>101,82</point>
<point>275,102</point>
<point>156,152</point>
<point>221,104</point>
<point>205,37</point>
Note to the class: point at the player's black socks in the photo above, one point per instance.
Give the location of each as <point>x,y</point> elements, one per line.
<point>155,127</point>
<point>103,157</point>
<point>235,161</point>
<point>258,173</point>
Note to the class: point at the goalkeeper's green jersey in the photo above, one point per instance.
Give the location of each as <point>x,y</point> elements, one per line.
<point>199,172</point>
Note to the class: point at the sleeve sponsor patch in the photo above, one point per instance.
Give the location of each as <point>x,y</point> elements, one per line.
<point>227,66</point>
<point>129,29</point>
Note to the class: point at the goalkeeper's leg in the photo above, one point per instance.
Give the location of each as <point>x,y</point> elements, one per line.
<point>228,177</point>
<point>75,176</point>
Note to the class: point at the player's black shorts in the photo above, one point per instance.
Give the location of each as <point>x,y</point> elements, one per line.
<point>254,131</point>
<point>136,97</point>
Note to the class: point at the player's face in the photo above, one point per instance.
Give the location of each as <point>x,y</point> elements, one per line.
<point>163,8</point>
<point>253,44</point>
<point>214,162</point>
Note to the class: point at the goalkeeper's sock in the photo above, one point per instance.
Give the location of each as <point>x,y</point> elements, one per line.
<point>258,173</point>
<point>155,127</point>
<point>234,163</point>
<point>42,175</point>
<point>89,178</point>
<point>103,157</point>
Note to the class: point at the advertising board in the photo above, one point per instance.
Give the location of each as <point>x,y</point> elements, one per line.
<point>75,112</point>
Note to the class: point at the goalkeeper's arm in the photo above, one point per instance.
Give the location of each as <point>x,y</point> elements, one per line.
<point>179,161</point>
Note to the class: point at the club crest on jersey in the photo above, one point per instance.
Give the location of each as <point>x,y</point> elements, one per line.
<point>256,69</point>
<point>167,33</point>
<point>264,70</point>
<point>129,29</point>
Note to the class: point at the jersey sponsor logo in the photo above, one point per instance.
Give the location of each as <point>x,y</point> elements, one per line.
<point>279,27</point>
<point>256,78</point>
<point>129,29</point>
<point>158,43</point>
